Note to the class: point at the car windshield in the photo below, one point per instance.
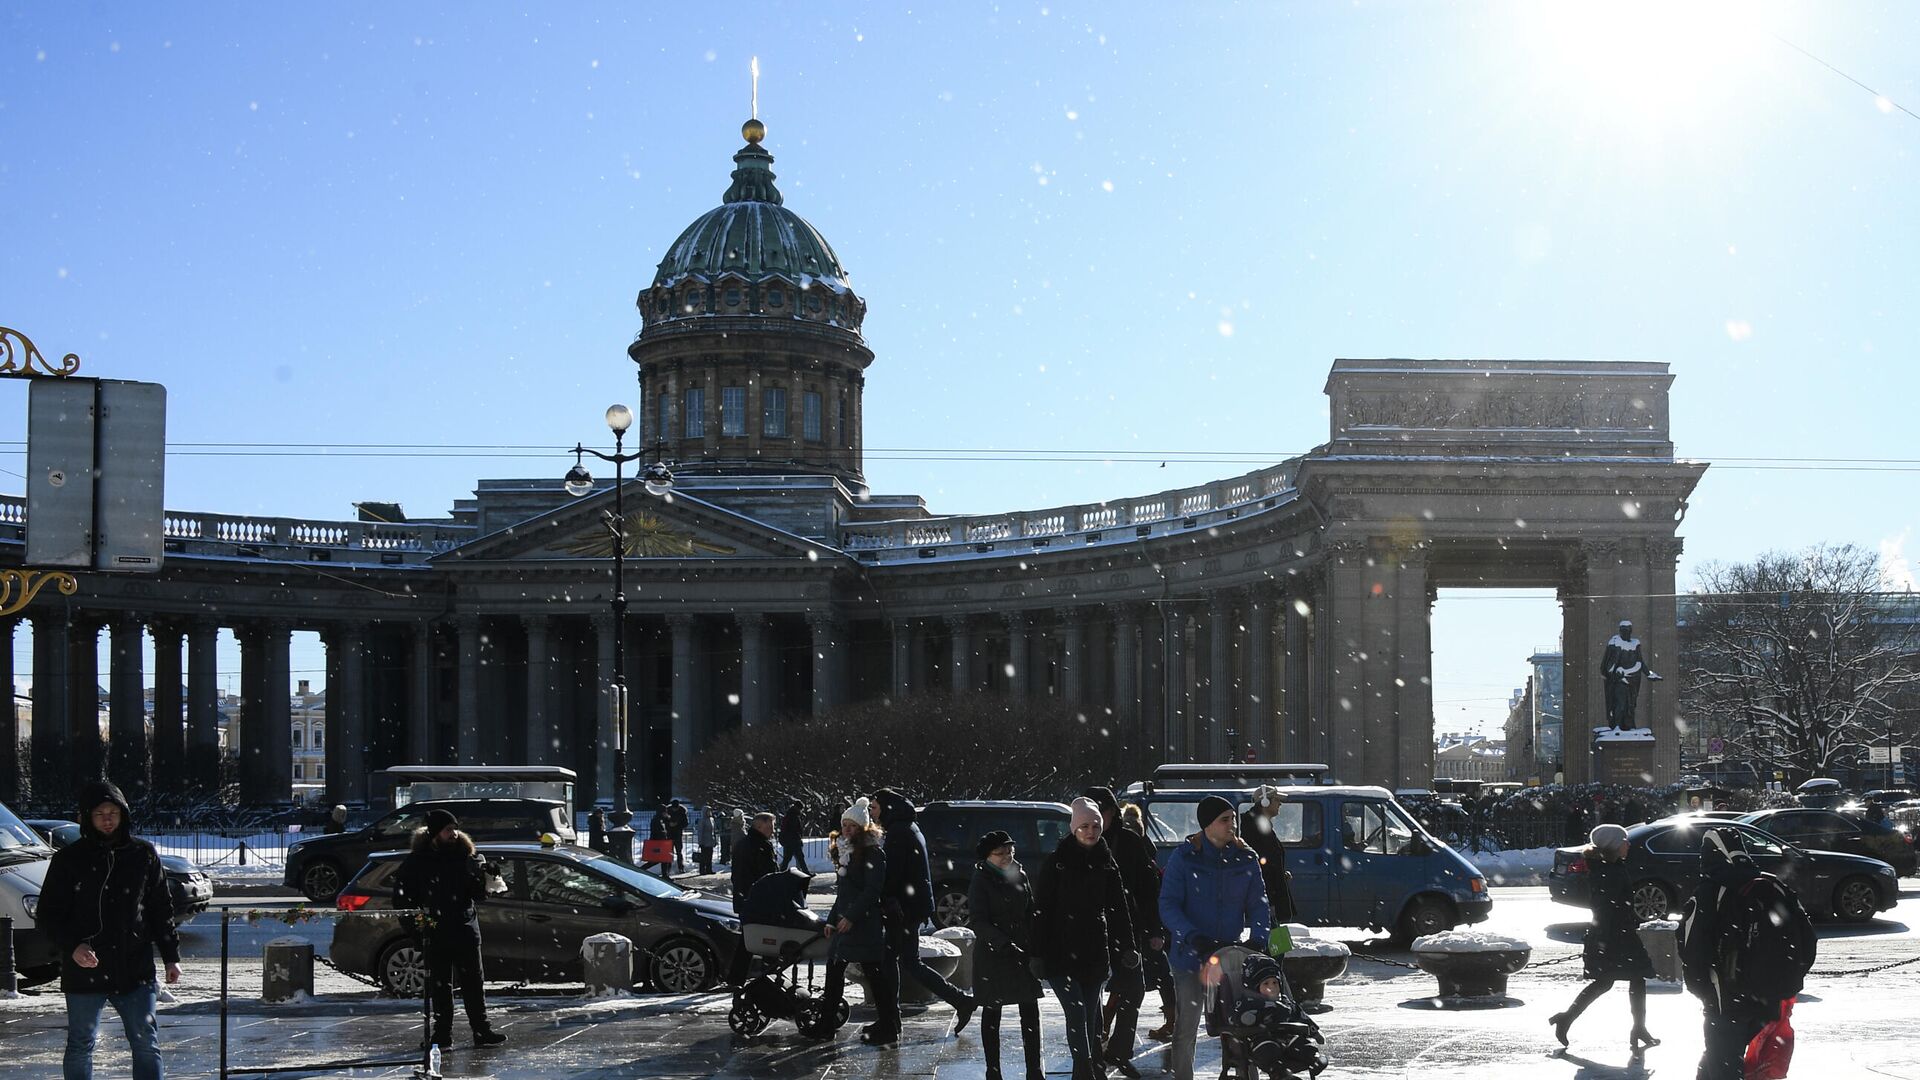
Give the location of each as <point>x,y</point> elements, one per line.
<point>16,834</point>
<point>634,878</point>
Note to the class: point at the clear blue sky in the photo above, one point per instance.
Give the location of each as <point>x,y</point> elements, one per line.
<point>1079,227</point>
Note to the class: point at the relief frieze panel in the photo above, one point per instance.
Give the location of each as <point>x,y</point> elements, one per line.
<point>1613,411</point>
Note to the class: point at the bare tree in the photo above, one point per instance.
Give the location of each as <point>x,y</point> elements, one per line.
<point>1798,660</point>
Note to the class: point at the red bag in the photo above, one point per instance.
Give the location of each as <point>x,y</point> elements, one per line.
<point>1771,1051</point>
<point>656,851</point>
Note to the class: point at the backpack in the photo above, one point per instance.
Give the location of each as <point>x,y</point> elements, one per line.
<point>1766,943</point>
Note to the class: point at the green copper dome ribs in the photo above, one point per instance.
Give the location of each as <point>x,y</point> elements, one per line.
<point>753,179</point>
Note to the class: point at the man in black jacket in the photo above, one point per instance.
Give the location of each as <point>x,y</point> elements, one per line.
<point>104,903</point>
<point>790,839</point>
<point>1256,828</point>
<point>1140,877</point>
<point>907,901</point>
<point>753,859</point>
<point>446,878</point>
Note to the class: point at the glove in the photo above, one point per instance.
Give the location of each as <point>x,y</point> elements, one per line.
<point>1130,959</point>
<point>1203,944</point>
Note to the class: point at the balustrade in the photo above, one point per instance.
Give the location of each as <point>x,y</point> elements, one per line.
<point>218,530</point>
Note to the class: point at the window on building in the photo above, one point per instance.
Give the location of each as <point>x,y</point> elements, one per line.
<point>733,410</point>
<point>775,297</point>
<point>810,416</point>
<point>840,421</point>
<point>693,422</point>
<point>298,772</point>
<point>296,737</point>
<point>319,738</point>
<point>733,297</point>
<point>664,431</point>
<point>773,412</point>
<point>319,772</point>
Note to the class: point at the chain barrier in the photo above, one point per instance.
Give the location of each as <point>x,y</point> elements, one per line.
<point>328,963</point>
<point>1868,970</point>
<point>1358,955</point>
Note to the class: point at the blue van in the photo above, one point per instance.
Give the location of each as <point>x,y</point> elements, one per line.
<point>1357,857</point>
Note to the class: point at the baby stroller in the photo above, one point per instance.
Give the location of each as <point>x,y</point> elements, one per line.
<point>776,926</point>
<point>1259,1036</point>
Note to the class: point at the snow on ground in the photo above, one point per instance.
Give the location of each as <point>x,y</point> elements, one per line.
<point>1467,941</point>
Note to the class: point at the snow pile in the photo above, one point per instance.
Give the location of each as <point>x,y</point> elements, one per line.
<point>1618,735</point>
<point>288,941</point>
<point>933,948</point>
<point>617,942</point>
<point>298,997</point>
<point>1521,866</point>
<point>1468,941</point>
<point>1310,947</point>
<point>1660,924</point>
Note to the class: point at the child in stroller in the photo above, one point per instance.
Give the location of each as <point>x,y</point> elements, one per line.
<point>776,926</point>
<point>1263,1031</point>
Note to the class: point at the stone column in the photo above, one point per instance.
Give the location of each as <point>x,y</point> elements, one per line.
<point>1073,655</point>
<point>467,709</point>
<point>687,723</point>
<point>1413,647</point>
<point>1660,647</point>
<point>1153,681</point>
<point>1019,655</point>
<point>537,738</point>
<point>422,744</point>
<point>1597,610</point>
<point>1341,615</point>
<point>83,679</point>
<point>347,717</point>
<point>13,780</point>
<point>1220,689</point>
<point>1174,733</point>
<point>170,774</point>
<point>902,674</point>
<point>1297,695</point>
<point>829,641</point>
<point>1126,674</point>
<point>1258,728</point>
<point>605,737</point>
<point>756,681</point>
<point>266,735</point>
<point>962,648</point>
<point>52,710</point>
<point>920,665</point>
<point>203,705</point>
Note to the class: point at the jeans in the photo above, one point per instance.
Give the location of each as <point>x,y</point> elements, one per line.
<point>136,1009</point>
<point>1080,1002</point>
<point>904,950</point>
<point>1029,1038</point>
<point>1190,1001</point>
<point>1129,989</point>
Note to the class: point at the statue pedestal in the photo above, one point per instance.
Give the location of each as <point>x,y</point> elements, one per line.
<point>1623,756</point>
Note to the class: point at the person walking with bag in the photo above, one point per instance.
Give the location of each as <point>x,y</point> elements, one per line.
<point>793,845</point>
<point>1211,892</point>
<point>1613,950</point>
<point>908,902</point>
<point>104,904</point>
<point>1140,877</point>
<point>856,928</point>
<point>446,878</point>
<point>1082,931</point>
<point>706,834</point>
<point>1000,913</point>
<point>1746,946</point>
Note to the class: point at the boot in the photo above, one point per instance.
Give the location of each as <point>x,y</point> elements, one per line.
<point>1561,1022</point>
<point>1641,1038</point>
<point>1164,1032</point>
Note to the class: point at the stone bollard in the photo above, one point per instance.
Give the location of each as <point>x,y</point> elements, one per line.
<point>939,954</point>
<point>960,938</point>
<point>1662,939</point>
<point>608,960</point>
<point>286,970</point>
<point>1470,963</point>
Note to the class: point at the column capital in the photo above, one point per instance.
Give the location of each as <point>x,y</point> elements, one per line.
<point>747,620</point>
<point>681,621</point>
<point>1347,548</point>
<point>1072,615</point>
<point>169,627</point>
<point>825,621</point>
<point>467,622</point>
<point>1220,602</point>
<point>542,623</point>
<point>957,623</point>
<point>1017,620</point>
<point>1664,551</point>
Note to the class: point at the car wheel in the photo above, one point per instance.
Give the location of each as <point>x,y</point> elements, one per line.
<point>950,908</point>
<point>321,881</point>
<point>682,966</point>
<point>403,969</point>
<point>1651,900</point>
<point>1426,915</point>
<point>1854,900</point>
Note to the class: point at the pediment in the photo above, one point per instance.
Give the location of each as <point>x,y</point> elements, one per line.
<point>678,526</point>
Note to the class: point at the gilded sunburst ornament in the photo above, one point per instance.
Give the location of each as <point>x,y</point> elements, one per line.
<point>647,537</point>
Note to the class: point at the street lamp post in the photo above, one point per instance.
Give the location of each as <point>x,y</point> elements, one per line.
<point>579,482</point>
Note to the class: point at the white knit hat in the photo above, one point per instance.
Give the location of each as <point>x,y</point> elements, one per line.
<point>857,812</point>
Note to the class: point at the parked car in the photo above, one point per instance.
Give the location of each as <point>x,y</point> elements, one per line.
<point>557,896</point>
<point>1357,857</point>
<point>189,887</point>
<point>1665,865</point>
<point>1819,793</point>
<point>1831,830</point>
<point>952,829</point>
<point>319,865</point>
<point>24,855</point>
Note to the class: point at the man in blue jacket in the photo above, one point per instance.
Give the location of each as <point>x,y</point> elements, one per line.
<point>1211,895</point>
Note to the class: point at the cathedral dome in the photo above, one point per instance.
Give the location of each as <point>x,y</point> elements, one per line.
<point>750,235</point>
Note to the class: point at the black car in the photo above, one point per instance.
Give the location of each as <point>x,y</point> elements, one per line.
<point>1665,865</point>
<point>953,828</point>
<point>189,887</point>
<point>319,865</point>
<point>1833,830</point>
<point>557,896</point>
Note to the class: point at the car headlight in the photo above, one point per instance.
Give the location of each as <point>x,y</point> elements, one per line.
<point>32,906</point>
<point>1888,870</point>
<point>730,924</point>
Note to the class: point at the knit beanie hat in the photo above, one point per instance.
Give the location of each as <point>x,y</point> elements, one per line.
<point>858,813</point>
<point>1085,810</point>
<point>1607,837</point>
<point>1211,808</point>
<point>438,819</point>
<point>991,843</point>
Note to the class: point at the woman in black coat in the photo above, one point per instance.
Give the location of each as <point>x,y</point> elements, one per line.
<point>1000,913</point>
<point>855,928</point>
<point>1613,948</point>
<point>1082,927</point>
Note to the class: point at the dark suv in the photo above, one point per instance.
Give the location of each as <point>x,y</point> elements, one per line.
<point>1831,830</point>
<point>319,865</point>
<point>953,828</point>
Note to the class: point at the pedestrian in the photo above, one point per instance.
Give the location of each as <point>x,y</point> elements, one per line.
<point>1000,913</point>
<point>337,820</point>
<point>706,834</point>
<point>1140,880</point>
<point>908,902</point>
<point>661,828</point>
<point>1082,932</point>
<point>1613,949</point>
<point>446,878</point>
<point>792,844</point>
<point>753,859</point>
<point>737,828</point>
<point>1210,893</point>
<point>104,904</point>
<point>677,832</point>
<point>730,827</point>
<point>1256,829</point>
<point>1746,946</point>
<point>856,927</point>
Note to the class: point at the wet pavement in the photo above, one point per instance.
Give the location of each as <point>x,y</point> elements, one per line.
<point>1381,1022</point>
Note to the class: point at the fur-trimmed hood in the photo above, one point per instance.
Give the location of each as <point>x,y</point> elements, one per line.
<point>462,843</point>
